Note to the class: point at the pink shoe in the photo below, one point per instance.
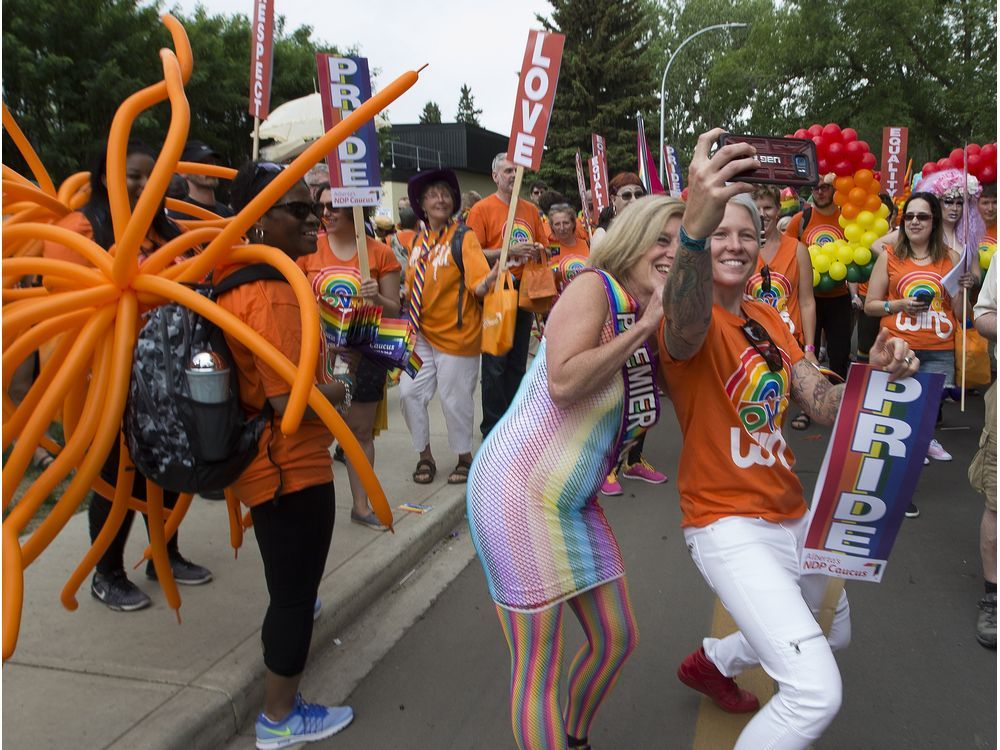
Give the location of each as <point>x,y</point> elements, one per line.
<point>644,472</point>
<point>611,486</point>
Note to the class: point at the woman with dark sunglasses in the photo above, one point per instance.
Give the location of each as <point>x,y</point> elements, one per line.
<point>333,269</point>
<point>905,292</point>
<point>731,365</point>
<point>289,485</point>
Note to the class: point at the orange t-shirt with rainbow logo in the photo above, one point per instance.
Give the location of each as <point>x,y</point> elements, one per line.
<point>933,329</point>
<point>730,406</point>
<point>329,274</point>
<point>488,218</point>
<point>783,295</point>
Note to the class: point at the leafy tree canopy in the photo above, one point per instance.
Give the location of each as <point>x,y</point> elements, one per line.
<point>431,114</point>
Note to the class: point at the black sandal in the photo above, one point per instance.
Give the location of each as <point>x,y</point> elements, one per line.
<point>460,474</point>
<point>801,422</point>
<point>425,472</point>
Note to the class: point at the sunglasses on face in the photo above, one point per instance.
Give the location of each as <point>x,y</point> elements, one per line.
<point>921,217</point>
<point>760,340</point>
<point>301,210</point>
<point>631,194</point>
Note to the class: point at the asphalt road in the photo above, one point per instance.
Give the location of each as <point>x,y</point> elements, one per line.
<point>914,676</point>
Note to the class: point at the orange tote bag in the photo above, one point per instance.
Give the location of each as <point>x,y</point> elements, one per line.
<point>499,316</point>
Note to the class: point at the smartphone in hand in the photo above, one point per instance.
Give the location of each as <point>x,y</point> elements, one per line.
<point>783,161</point>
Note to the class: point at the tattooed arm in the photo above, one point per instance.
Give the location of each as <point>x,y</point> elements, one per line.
<point>687,296</point>
<point>820,400</point>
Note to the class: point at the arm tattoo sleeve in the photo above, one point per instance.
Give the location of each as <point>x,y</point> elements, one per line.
<point>814,393</point>
<point>687,302</point>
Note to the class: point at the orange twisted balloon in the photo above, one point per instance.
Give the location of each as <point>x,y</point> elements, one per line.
<point>91,316</point>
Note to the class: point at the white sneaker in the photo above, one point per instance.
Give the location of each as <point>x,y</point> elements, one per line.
<point>936,451</point>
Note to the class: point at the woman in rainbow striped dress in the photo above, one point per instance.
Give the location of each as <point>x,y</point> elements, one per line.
<point>532,498</point>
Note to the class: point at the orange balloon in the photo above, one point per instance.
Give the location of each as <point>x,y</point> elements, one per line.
<point>872,203</point>
<point>844,184</point>
<point>857,196</point>
<point>839,198</point>
<point>850,211</point>
<point>863,177</point>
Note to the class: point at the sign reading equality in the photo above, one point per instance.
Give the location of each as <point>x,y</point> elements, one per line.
<point>355,179</point>
<point>871,467</point>
<point>536,93</point>
<point>581,186</point>
<point>894,160</point>
<point>599,175</point>
<point>261,60</point>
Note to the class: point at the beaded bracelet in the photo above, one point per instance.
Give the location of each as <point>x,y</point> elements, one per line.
<point>692,244</point>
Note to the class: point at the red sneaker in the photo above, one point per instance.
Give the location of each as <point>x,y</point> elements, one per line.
<point>699,673</point>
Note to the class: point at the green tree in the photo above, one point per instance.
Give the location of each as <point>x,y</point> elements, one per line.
<point>68,67</point>
<point>607,75</point>
<point>431,114</point>
<point>467,112</point>
<point>928,66</point>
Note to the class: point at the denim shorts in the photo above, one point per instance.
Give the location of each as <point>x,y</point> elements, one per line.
<point>938,360</point>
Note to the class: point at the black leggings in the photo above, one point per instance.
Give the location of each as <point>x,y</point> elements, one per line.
<point>293,534</point>
<point>833,317</point>
<point>97,515</point>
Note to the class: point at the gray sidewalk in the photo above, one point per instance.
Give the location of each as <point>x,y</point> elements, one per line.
<point>100,679</point>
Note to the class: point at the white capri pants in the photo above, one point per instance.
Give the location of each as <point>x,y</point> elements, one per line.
<point>753,567</point>
<point>455,379</point>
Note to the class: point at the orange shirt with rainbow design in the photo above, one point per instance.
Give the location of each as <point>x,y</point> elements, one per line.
<point>933,329</point>
<point>488,219</point>
<point>329,274</point>
<point>783,295</point>
<point>730,406</point>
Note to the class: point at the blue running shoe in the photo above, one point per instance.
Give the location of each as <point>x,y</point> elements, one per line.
<point>307,722</point>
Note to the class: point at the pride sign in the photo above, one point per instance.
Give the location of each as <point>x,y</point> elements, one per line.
<point>871,466</point>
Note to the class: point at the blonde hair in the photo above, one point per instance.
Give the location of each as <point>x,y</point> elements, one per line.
<point>633,233</point>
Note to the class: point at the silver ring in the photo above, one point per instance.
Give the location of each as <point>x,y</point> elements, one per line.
<point>907,360</point>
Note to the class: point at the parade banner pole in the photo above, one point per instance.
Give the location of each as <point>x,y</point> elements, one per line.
<point>509,226</point>
<point>256,138</point>
<point>362,241</point>
<point>965,269</point>
<point>261,65</point>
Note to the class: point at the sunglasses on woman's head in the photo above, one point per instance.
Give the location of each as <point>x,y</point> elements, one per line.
<point>301,210</point>
<point>627,195</point>
<point>762,343</point>
<point>921,217</point>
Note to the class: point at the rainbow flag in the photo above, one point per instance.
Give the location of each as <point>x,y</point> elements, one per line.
<point>647,170</point>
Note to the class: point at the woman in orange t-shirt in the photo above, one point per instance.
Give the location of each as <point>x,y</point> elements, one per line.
<point>562,221</point>
<point>333,269</point>
<point>906,292</point>
<point>730,366</point>
<point>443,305</point>
<point>289,485</point>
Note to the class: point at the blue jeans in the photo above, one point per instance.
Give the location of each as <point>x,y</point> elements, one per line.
<point>502,375</point>
<point>938,360</point>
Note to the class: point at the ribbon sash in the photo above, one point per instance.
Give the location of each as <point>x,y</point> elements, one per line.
<point>642,396</point>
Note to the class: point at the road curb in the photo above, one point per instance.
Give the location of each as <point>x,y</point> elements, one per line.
<point>207,712</point>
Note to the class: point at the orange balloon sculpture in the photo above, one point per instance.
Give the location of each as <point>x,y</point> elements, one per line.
<point>91,315</point>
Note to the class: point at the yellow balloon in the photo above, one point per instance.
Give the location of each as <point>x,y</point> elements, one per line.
<point>845,255</point>
<point>862,256</point>
<point>866,219</point>
<point>814,250</point>
<point>881,226</point>
<point>816,276</point>
<point>883,212</point>
<point>821,263</point>
<point>853,232</point>
<point>838,271</point>
<point>868,238</point>
<point>843,221</point>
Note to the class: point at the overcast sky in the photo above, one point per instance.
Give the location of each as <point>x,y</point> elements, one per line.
<point>464,41</point>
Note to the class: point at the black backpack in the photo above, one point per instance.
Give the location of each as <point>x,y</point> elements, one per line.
<point>456,253</point>
<point>181,444</point>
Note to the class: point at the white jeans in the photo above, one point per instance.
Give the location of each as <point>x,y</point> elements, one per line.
<point>455,378</point>
<point>753,567</point>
